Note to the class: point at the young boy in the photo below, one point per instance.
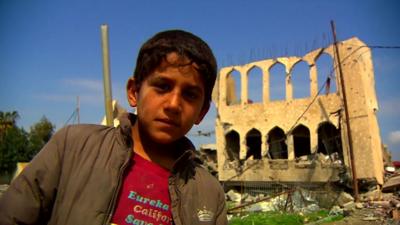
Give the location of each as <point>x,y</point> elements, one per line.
<point>143,172</point>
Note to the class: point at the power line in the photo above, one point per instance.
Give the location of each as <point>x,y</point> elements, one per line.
<point>325,83</point>
<point>380,46</point>
<point>75,115</point>
<point>72,116</point>
<point>308,107</point>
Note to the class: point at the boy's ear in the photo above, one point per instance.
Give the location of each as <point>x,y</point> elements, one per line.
<point>203,112</point>
<point>131,92</point>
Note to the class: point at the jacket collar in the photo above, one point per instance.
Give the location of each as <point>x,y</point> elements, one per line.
<point>185,164</point>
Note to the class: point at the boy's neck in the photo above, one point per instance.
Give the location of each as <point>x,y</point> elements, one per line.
<point>161,154</point>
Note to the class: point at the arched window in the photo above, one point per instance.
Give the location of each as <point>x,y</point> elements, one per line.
<point>233,84</point>
<point>301,141</point>
<point>329,140</point>
<point>232,141</point>
<point>277,83</point>
<point>255,85</point>
<point>301,80</point>
<point>326,70</point>
<point>253,143</point>
<point>276,144</point>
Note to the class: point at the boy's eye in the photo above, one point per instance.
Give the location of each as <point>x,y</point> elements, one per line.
<point>162,87</point>
<point>191,95</point>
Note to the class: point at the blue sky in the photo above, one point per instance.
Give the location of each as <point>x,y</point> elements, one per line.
<point>50,51</point>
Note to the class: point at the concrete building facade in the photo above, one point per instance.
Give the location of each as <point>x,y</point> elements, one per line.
<point>299,139</point>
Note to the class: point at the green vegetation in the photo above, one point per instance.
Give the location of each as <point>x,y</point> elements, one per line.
<point>17,145</point>
<point>278,218</point>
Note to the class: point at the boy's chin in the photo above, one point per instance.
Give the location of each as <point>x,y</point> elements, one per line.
<point>165,138</point>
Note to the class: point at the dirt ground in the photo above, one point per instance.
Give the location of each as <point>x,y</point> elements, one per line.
<point>367,216</point>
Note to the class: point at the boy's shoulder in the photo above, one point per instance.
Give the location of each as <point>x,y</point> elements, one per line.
<point>83,132</point>
<point>83,129</point>
<point>206,178</point>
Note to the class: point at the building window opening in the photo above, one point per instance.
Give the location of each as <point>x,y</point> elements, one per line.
<point>255,85</point>
<point>233,90</point>
<point>301,141</point>
<point>232,141</point>
<point>277,148</point>
<point>329,141</point>
<point>326,74</point>
<point>253,144</point>
<point>277,82</point>
<point>301,80</point>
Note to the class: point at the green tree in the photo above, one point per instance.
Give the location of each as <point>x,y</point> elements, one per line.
<point>13,142</point>
<point>16,145</point>
<point>8,120</point>
<point>40,133</point>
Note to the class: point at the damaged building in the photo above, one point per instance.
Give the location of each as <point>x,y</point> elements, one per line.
<point>299,139</point>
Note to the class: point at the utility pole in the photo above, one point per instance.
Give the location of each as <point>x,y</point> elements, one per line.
<point>106,75</point>
<point>346,110</point>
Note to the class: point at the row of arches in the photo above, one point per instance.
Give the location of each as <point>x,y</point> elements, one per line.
<point>329,141</point>
<point>300,79</point>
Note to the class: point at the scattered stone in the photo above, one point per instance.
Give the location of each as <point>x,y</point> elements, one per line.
<point>359,205</point>
<point>344,198</point>
<point>392,184</point>
<point>234,196</point>
<point>245,197</point>
<point>310,208</point>
<point>390,169</point>
<point>396,214</point>
<point>262,207</point>
<point>349,206</point>
<point>370,218</point>
<point>395,202</point>
<point>381,204</point>
<point>388,196</point>
<point>375,195</point>
<point>248,198</point>
<point>336,211</point>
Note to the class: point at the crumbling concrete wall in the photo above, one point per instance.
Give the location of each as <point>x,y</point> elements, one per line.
<point>304,139</point>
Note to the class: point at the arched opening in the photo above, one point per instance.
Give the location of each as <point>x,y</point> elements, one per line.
<point>253,143</point>
<point>255,85</point>
<point>232,141</point>
<point>277,148</point>
<point>277,83</point>
<point>301,80</point>
<point>301,141</point>
<point>329,141</point>
<point>326,74</point>
<point>233,84</point>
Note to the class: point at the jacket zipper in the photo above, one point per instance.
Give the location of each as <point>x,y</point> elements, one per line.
<point>177,194</point>
<point>111,208</point>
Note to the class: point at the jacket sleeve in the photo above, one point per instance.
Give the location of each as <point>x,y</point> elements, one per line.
<point>30,197</point>
<point>221,215</point>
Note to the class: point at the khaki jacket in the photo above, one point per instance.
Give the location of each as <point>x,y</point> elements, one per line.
<point>75,180</point>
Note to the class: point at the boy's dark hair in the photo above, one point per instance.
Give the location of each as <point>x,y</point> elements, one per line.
<point>183,43</point>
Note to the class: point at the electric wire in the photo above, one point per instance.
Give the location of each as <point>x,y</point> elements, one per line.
<point>330,75</point>
<point>72,116</point>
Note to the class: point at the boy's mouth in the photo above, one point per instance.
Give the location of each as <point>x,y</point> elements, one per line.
<point>168,122</point>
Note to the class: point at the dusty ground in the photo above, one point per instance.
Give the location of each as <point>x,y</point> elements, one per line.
<point>366,216</point>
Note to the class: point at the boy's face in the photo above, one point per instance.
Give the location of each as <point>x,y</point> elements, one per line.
<point>169,101</point>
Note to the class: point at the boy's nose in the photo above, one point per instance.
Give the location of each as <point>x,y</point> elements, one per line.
<point>174,103</point>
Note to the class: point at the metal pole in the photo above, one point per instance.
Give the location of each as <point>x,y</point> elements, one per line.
<point>106,75</point>
<point>346,110</point>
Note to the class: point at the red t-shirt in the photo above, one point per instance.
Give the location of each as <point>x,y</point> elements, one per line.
<point>144,197</point>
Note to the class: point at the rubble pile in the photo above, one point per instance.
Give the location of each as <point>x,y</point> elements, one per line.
<point>374,206</point>
<point>293,200</point>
